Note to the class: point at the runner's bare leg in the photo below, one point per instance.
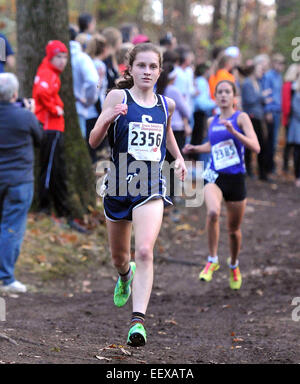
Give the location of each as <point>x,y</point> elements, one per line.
<point>147,221</point>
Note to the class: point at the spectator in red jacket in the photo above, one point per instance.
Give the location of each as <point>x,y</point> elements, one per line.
<point>50,112</point>
<point>48,104</point>
<point>288,89</point>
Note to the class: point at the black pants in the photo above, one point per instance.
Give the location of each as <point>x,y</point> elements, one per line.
<point>52,186</point>
<point>262,156</point>
<point>198,130</point>
<point>180,139</point>
<point>297,160</point>
<point>90,123</point>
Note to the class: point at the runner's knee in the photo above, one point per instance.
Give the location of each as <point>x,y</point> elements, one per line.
<point>144,253</point>
<point>234,231</point>
<point>120,259</point>
<point>213,215</point>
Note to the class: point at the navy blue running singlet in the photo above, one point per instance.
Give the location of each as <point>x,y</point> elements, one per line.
<point>138,149</point>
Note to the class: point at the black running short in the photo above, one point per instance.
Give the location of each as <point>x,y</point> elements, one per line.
<point>233,187</point>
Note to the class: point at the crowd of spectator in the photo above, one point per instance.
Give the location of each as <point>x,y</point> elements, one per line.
<point>267,90</point>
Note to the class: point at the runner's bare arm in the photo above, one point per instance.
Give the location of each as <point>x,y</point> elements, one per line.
<point>112,108</point>
<point>172,147</point>
<point>249,139</point>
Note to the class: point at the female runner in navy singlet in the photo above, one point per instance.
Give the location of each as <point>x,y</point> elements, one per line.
<point>229,133</point>
<point>138,125</point>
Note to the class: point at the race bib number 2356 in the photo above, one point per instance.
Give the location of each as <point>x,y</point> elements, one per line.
<point>144,140</point>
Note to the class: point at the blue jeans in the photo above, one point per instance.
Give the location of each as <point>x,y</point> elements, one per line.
<point>15,202</point>
<point>273,133</point>
<point>82,125</point>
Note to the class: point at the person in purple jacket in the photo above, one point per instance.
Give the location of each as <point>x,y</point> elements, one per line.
<point>229,133</point>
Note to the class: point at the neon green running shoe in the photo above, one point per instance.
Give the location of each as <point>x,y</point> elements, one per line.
<point>137,336</point>
<point>235,278</point>
<point>122,289</point>
<point>207,273</point>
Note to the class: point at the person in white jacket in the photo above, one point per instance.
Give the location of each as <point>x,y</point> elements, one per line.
<point>85,80</point>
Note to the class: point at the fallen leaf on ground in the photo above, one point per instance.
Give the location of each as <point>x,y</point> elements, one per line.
<point>271,270</point>
<point>161,249</point>
<point>87,247</point>
<point>35,231</point>
<point>41,258</point>
<point>184,227</point>
<point>171,322</point>
<point>125,352</point>
<point>293,213</point>
<point>250,200</point>
<point>238,339</point>
<point>205,309</point>
<point>69,238</point>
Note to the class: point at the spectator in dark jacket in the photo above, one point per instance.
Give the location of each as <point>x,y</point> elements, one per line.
<point>288,90</point>
<point>294,132</point>
<point>19,131</point>
<point>253,98</point>
<point>6,54</point>
<point>114,40</point>
<point>272,80</point>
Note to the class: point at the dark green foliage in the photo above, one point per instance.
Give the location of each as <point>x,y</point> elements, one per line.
<point>288,15</point>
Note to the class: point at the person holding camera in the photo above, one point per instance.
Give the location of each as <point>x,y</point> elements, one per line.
<point>19,133</point>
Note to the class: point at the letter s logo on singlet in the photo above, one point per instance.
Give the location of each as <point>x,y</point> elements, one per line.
<point>146,118</point>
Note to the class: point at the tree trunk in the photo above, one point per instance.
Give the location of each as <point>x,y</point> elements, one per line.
<point>287,18</point>
<point>228,12</point>
<point>82,4</point>
<point>168,12</point>
<point>255,39</point>
<point>37,23</point>
<point>237,20</point>
<point>183,21</point>
<point>215,28</point>
<point>177,20</point>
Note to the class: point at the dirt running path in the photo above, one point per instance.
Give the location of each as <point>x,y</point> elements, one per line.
<point>187,321</point>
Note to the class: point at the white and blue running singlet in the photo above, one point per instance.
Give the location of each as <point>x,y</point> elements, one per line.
<point>227,152</point>
<point>138,149</point>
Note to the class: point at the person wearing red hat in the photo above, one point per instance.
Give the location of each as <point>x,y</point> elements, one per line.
<point>49,111</point>
<point>49,106</point>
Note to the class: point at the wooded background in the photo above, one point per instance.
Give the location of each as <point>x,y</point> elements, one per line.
<point>256,26</point>
<point>252,24</point>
